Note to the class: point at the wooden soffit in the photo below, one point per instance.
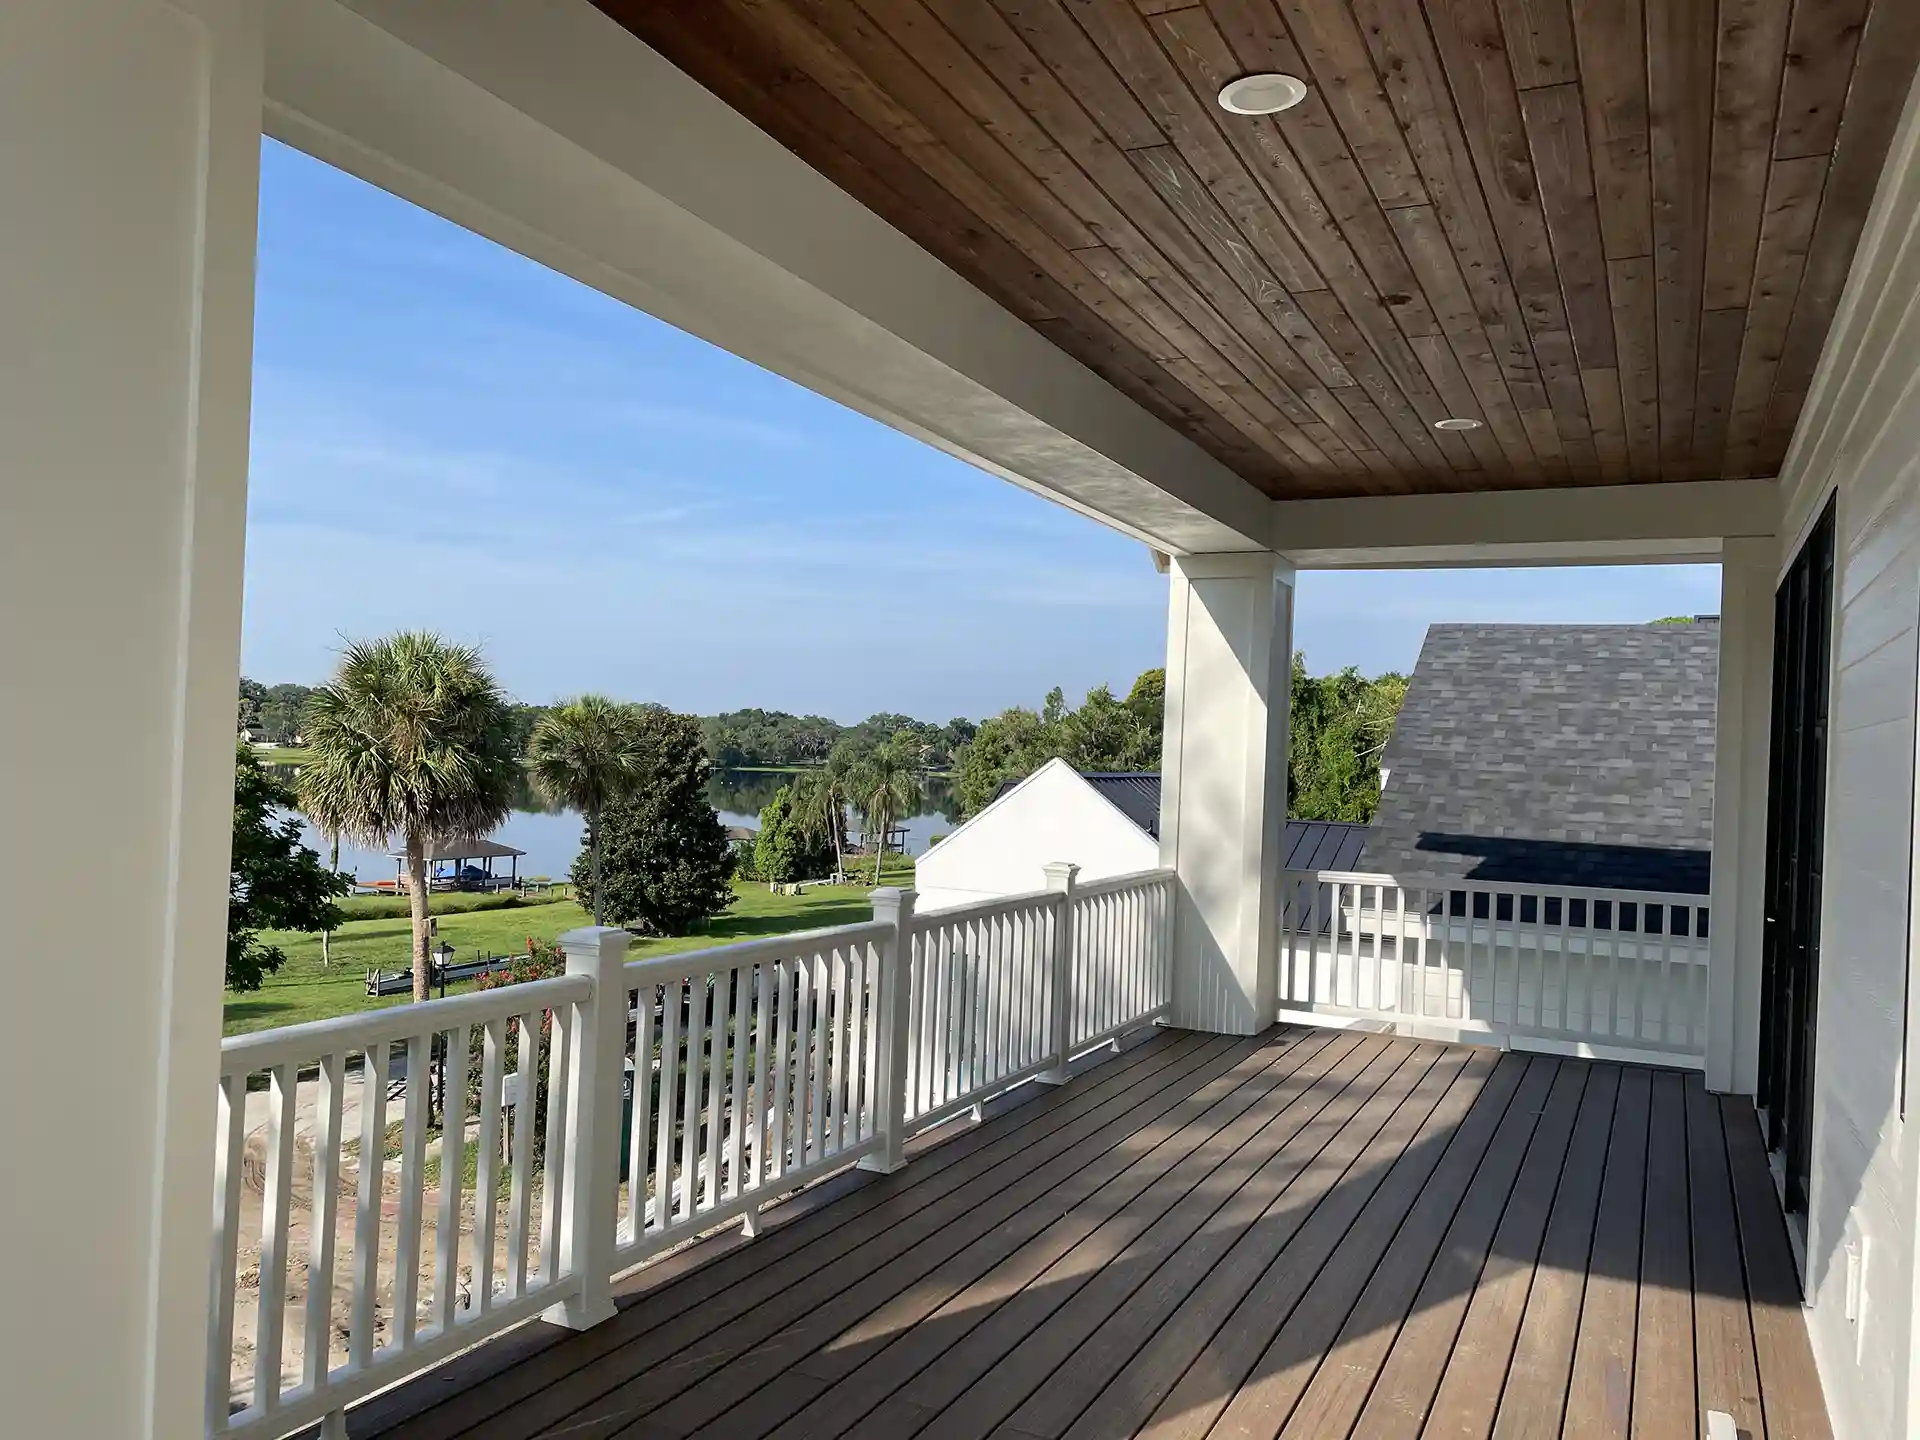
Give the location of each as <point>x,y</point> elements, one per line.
<point>1613,231</point>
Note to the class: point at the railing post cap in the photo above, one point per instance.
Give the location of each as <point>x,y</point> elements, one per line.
<point>1060,873</point>
<point>595,940</point>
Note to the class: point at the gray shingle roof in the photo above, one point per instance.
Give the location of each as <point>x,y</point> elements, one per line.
<point>1555,754</point>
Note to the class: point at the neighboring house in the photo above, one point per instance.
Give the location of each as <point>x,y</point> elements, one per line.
<point>1107,824</point>
<point>1554,755</point>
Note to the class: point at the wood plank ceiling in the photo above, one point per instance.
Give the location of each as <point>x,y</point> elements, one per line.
<point>1615,231</point>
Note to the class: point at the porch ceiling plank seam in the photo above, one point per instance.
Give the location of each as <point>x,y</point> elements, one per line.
<point>1605,228</point>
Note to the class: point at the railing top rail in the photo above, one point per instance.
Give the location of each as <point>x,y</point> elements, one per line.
<point>1501,887</point>
<point>1122,882</point>
<point>685,964</point>
<point>929,920</point>
<point>296,1044</point>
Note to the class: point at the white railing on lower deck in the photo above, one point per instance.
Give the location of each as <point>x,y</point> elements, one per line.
<point>1557,966</point>
<point>373,1301</point>
<point>738,1074</point>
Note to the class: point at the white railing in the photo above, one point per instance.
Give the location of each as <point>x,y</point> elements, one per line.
<point>737,1073</point>
<point>1011,990</point>
<point>751,1064</point>
<point>1122,956</point>
<point>371,1299</point>
<point>1551,967</point>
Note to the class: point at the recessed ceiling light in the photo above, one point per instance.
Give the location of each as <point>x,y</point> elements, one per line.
<point>1458,422</point>
<point>1262,94</point>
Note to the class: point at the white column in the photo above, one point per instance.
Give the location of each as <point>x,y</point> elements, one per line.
<point>1223,789</point>
<point>590,1171</point>
<point>1743,736</point>
<point>893,907</point>
<point>129,163</point>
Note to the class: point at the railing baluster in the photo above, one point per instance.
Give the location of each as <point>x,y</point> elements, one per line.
<point>873,1101</point>
<point>554,1182</point>
<point>673,1004</point>
<point>697,997</point>
<point>720,1003</point>
<point>821,1138</point>
<point>640,1102</point>
<point>521,1119</point>
<point>275,1222</point>
<point>413,1152</point>
<point>453,1169</point>
<point>366,1213</point>
<point>486,1183</point>
<point>323,1219</point>
<point>802,1058</point>
<point>762,1025</point>
<point>719,1008</point>
<point>737,1097</point>
<point>783,1066</point>
<point>229,1163</point>
<point>837,1047</point>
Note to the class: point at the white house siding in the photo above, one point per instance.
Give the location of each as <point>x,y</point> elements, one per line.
<point>1861,436</point>
<point>1051,815</point>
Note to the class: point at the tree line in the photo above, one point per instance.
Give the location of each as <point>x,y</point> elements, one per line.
<point>735,740</point>
<point>1340,725</point>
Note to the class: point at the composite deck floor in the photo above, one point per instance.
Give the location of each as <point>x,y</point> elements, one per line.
<point>1307,1233</point>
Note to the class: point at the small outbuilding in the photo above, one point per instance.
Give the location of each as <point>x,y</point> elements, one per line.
<point>1106,823</point>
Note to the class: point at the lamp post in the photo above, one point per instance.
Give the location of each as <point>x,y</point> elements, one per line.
<point>437,1094</point>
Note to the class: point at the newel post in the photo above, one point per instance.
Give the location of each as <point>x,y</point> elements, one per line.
<point>893,908</point>
<point>589,1148</point>
<point>1060,879</point>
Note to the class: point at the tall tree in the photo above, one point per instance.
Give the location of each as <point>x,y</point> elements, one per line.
<point>787,848</point>
<point>277,883</point>
<point>1340,725</point>
<point>410,740</point>
<point>666,863</point>
<point>884,786</point>
<point>820,802</point>
<point>587,754</point>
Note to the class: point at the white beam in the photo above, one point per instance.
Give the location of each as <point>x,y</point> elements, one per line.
<point>1588,525</point>
<point>130,170</point>
<point>545,126</point>
<point>1223,788</point>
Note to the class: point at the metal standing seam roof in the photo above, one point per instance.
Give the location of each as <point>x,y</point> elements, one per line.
<point>1555,754</point>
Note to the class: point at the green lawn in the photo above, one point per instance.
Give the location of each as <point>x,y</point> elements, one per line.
<point>303,991</point>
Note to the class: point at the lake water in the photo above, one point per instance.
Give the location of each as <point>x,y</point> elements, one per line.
<point>552,838</point>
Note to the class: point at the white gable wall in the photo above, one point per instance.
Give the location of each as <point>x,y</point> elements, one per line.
<point>1051,815</point>
<point>1860,437</point>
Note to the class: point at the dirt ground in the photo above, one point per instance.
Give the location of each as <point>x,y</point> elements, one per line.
<point>247,1293</point>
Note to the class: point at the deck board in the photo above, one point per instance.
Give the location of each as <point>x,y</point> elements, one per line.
<point>1303,1233</point>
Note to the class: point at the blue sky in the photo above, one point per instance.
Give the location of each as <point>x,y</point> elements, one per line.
<point>446,435</point>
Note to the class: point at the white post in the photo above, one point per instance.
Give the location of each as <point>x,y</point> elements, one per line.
<point>1742,739</point>
<point>1223,788</point>
<point>130,167</point>
<point>590,1148</point>
<point>1060,880</point>
<point>895,908</point>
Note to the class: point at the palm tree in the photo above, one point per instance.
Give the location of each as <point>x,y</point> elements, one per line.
<point>820,802</point>
<point>326,936</point>
<point>884,785</point>
<point>409,741</point>
<point>586,754</point>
